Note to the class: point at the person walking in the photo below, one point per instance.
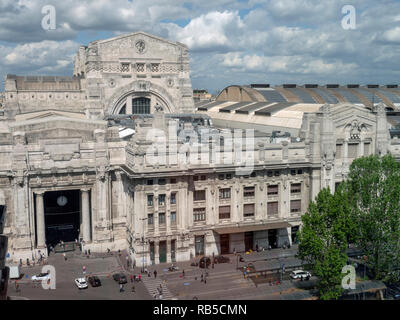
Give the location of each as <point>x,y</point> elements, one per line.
<point>121,287</point>
<point>140,277</point>
<point>183,273</point>
<point>131,278</point>
<point>65,256</point>
<point>155,274</point>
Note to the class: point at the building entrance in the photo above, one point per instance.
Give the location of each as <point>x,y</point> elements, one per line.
<point>163,251</point>
<point>224,242</point>
<point>62,216</point>
<point>273,238</point>
<point>199,245</point>
<point>248,240</point>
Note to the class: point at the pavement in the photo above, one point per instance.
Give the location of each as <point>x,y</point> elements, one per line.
<point>72,268</point>
<point>223,282</point>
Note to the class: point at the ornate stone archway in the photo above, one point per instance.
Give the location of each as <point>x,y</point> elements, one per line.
<point>139,88</point>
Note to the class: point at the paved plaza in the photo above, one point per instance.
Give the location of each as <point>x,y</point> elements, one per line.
<point>223,281</point>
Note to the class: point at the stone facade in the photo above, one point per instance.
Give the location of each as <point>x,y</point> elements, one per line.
<point>56,136</point>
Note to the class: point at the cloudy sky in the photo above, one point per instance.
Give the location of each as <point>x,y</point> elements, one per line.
<point>230,41</point>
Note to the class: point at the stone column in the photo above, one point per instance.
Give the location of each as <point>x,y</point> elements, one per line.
<point>156,252</point>
<point>85,215</point>
<point>168,250</point>
<point>40,224</point>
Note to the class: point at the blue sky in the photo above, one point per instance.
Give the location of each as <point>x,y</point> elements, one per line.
<point>230,41</point>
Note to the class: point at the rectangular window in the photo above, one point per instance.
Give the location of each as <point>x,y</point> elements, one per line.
<point>161,218</point>
<point>162,181</point>
<point>273,208</point>
<point>273,190</point>
<point>172,181</point>
<point>248,191</point>
<point>225,193</point>
<point>173,198</point>
<point>199,195</point>
<point>295,188</point>
<point>229,176</point>
<point>295,206</point>
<point>161,200</point>
<point>173,217</point>
<point>352,150</point>
<point>150,182</point>
<point>199,214</point>
<point>150,200</point>
<point>225,212</point>
<point>248,210</point>
<point>150,219</point>
<point>196,178</point>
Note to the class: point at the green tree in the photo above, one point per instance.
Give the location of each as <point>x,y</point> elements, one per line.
<point>326,229</point>
<point>374,191</point>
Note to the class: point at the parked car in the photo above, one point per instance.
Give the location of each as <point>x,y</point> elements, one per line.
<point>300,274</point>
<point>120,278</point>
<point>204,262</point>
<point>94,281</point>
<point>41,277</point>
<point>173,268</point>
<point>221,259</point>
<point>81,283</point>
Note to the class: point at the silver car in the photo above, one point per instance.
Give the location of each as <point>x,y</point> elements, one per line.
<point>300,274</point>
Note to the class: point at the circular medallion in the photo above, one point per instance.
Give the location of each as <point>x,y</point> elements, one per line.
<point>111,83</point>
<point>140,46</point>
<point>62,201</point>
<point>170,82</point>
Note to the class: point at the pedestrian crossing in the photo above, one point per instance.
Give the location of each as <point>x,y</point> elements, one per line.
<point>152,284</point>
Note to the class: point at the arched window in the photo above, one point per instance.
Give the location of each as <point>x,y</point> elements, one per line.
<point>123,110</point>
<point>141,105</point>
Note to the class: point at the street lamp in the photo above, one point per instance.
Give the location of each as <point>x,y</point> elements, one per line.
<point>143,219</point>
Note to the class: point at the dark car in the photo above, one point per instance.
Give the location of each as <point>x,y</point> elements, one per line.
<point>221,259</point>
<point>204,262</point>
<point>94,281</point>
<point>120,278</point>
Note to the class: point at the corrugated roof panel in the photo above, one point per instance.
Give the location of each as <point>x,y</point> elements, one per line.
<point>252,107</point>
<point>304,96</point>
<point>272,95</point>
<point>208,106</point>
<point>390,95</point>
<point>267,111</point>
<point>234,106</point>
<point>347,95</point>
<point>369,95</point>
<point>329,98</point>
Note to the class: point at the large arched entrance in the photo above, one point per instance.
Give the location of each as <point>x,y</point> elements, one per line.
<point>62,216</point>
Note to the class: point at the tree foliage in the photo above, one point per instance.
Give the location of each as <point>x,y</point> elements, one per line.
<point>323,240</point>
<point>364,210</point>
<point>374,189</point>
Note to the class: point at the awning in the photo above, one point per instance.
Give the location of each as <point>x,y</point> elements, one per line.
<point>256,227</point>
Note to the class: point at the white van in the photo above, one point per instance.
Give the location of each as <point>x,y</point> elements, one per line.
<point>15,272</point>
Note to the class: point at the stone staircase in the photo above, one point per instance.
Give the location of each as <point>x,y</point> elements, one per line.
<point>152,284</point>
